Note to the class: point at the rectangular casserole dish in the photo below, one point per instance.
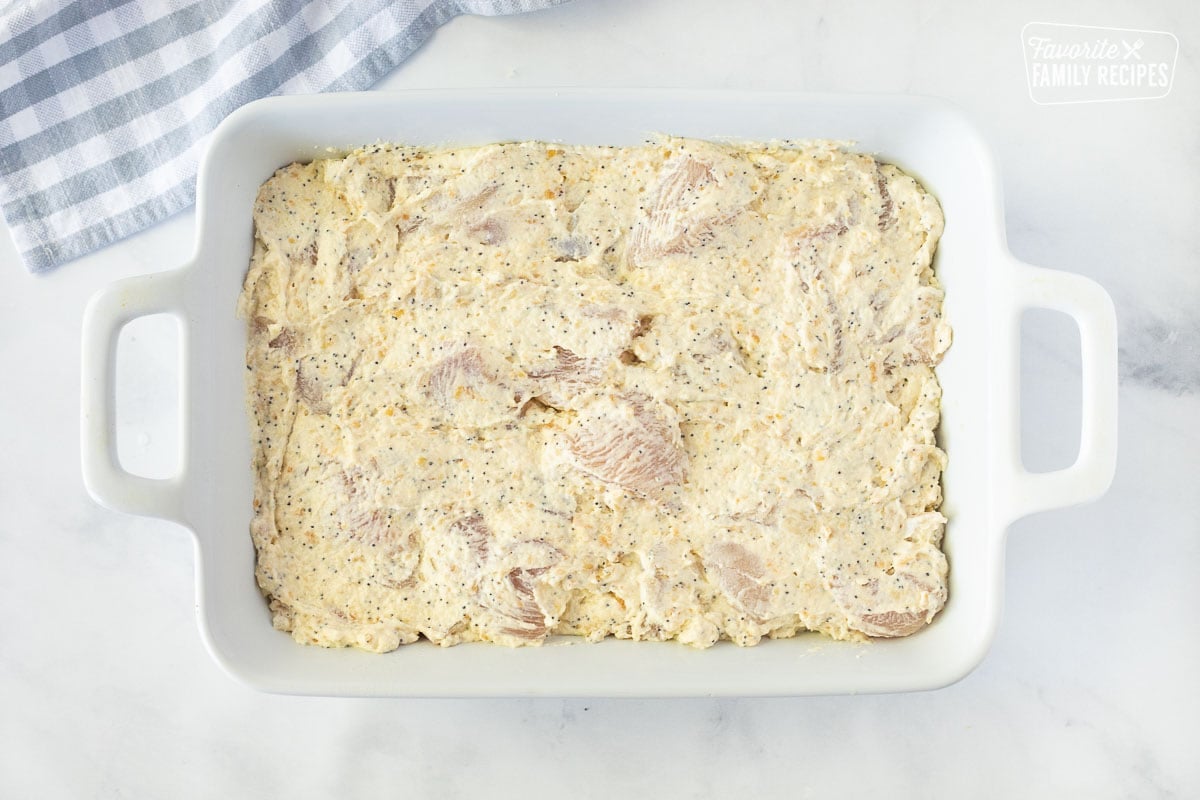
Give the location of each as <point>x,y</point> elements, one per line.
<point>985,486</point>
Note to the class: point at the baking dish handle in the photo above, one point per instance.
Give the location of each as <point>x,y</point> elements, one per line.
<point>107,312</point>
<point>1089,305</point>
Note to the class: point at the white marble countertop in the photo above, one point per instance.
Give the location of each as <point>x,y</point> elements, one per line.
<point>1090,688</point>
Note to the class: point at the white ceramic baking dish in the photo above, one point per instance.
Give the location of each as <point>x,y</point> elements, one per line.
<point>986,487</point>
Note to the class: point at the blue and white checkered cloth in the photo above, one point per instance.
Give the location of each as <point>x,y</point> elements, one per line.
<point>105,105</point>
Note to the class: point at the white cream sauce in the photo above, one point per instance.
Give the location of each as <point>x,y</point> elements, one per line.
<point>683,390</point>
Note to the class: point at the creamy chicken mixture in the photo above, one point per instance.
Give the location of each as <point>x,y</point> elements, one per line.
<point>677,391</point>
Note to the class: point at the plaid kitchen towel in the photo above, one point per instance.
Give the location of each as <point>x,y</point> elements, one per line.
<point>105,105</point>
